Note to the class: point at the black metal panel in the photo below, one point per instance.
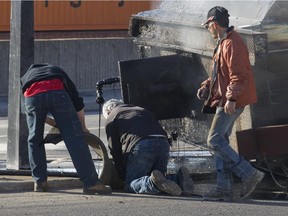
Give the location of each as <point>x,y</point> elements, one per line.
<point>162,85</point>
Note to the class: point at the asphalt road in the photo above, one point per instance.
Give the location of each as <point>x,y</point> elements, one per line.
<point>74,203</point>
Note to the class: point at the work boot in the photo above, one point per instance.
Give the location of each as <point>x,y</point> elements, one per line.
<point>217,194</point>
<point>41,187</point>
<point>164,184</point>
<point>185,181</point>
<point>99,188</point>
<point>249,184</point>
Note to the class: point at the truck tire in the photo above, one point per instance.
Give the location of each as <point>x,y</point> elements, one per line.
<point>108,174</point>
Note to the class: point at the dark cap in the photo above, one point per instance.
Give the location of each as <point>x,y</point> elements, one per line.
<point>216,13</point>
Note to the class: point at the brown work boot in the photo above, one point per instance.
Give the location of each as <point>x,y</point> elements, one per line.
<point>99,188</point>
<point>250,183</point>
<point>185,181</point>
<point>41,187</point>
<point>164,184</point>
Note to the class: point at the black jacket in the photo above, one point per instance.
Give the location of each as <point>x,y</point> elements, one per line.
<point>125,126</point>
<point>40,72</point>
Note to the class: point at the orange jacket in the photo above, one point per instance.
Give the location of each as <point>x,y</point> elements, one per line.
<point>235,80</point>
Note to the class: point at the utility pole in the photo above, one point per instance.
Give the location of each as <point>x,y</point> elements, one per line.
<point>21,57</point>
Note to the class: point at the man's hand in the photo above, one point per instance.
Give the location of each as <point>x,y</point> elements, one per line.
<point>203,93</point>
<point>50,121</point>
<point>81,117</point>
<point>230,107</point>
<point>85,130</point>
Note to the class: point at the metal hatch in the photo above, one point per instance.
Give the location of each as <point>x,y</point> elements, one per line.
<point>164,85</point>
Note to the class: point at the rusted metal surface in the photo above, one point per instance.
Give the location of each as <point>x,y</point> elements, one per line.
<point>263,142</point>
<point>41,35</point>
<point>51,15</point>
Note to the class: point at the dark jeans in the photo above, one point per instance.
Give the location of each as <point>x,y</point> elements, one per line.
<point>147,155</point>
<point>60,106</point>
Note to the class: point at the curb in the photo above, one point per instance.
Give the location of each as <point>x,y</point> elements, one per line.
<point>25,183</point>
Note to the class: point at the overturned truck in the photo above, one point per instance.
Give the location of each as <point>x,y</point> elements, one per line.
<point>175,53</point>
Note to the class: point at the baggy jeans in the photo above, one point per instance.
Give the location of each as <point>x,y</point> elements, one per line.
<point>58,103</point>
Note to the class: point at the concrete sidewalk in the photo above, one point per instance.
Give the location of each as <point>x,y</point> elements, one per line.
<point>20,183</point>
<point>24,183</point>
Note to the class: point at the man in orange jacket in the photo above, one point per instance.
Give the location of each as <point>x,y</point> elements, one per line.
<point>227,92</point>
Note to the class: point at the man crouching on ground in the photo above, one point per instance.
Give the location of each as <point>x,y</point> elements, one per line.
<point>140,150</point>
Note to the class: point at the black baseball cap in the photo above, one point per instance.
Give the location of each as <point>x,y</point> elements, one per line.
<point>216,13</point>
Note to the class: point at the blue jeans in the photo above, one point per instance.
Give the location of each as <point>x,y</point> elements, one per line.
<point>227,160</point>
<point>60,106</point>
<point>147,155</point>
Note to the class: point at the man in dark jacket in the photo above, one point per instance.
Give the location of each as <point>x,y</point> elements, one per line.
<point>140,150</point>
<point>230,88</point>
<point>47,88</point>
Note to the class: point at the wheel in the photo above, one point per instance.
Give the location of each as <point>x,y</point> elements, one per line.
<point>102,161</point>
<point>103,164</point>
<point>109,175</point>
